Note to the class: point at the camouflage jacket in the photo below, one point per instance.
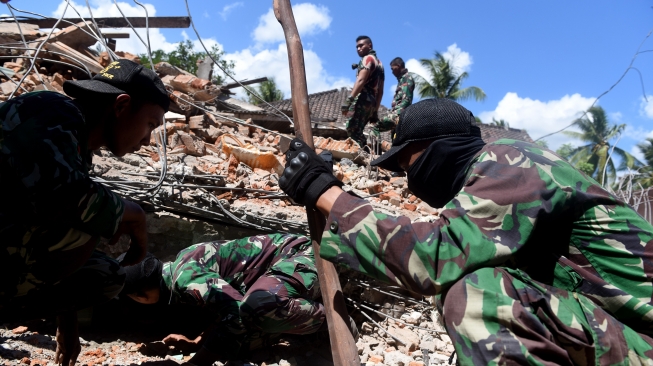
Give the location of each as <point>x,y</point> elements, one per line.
<point>216,275</point>
<point>44,164</point>
<point>404,92</point>
<point>373,83</point>
<point>521,207</point>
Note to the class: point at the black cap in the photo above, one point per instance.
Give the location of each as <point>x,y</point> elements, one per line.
<point>122,77</point>
<point>426,120</point>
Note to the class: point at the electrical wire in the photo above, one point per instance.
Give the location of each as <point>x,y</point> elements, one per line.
<point>630,67</point>
<point>192,23</point>
<point>31,66</point>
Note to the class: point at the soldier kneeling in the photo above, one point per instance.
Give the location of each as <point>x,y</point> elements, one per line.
<point>254,286</point>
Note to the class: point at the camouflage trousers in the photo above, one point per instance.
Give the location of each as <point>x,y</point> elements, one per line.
<point>499,316</point>
<point>359,114</point>
<point>388,122</point>
<point>98,280</point>
<point>281,301</point>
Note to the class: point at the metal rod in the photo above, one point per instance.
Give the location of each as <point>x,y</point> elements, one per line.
<point>393,318</point>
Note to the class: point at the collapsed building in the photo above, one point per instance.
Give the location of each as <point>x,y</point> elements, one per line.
<point>211,172</point>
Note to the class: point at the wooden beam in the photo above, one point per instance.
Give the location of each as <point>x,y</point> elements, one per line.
<point>244,82</point>
<point>115,35</point>
<point>119,22</point>
<point>343,345</point>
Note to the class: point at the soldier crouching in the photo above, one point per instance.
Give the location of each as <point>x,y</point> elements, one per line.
<point>254,286</point>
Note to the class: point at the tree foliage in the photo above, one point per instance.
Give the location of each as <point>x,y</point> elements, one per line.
<point>445,81</point>
<point>185,57</point>
<point>268,91</point>
<point>597,131</point>
<point>645,176</point>
<point>500,123</point>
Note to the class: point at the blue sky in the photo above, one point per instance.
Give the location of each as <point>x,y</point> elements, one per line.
<point>541,63</point>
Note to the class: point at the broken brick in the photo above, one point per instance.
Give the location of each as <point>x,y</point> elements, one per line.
<point>19,330</point>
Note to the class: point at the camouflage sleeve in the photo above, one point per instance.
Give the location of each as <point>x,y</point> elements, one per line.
<point>408,87</point>
<point>484,225</point>
<point>44,149</point>
<point>197,280</point>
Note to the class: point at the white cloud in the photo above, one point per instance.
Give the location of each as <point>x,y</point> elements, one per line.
<point>229,8</point>
<point>106,8</point>
<point>274,62</point>
<point>310,19</point>
<point>539,118</point>
<point>646,108</point>
<point>413,65</point>
<point>460,60</point>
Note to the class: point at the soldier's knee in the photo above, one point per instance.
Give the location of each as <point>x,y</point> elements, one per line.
<point>257,303</point>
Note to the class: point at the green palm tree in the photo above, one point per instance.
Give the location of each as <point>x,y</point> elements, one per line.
<point>645,176</point>
<point>500,123</point>
<point>268,91</point>
<point>598,132</point>
<point>445,81</point>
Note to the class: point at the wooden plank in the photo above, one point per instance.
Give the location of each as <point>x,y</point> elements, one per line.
<point>343,345</point>
<point>115,35</point>
<point>10,30</point>
<point>93,65</point>
<point>244,82</point>
<point>77,36</point>
<point>120,22</point>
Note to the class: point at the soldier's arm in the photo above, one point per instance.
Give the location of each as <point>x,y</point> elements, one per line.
<point>361,79</point>
<point>407,88</point>
<point>483,225</point>
<point>48,163</point>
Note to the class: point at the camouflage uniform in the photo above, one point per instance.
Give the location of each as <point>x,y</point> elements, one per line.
<point>534,261</point>
<point>254,286</point>
<point>51,207</point>
<point>402,99</point>
<point>364,104</point>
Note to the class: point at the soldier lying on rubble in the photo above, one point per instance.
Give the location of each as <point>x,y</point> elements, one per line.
<point>534,262</point>
<point>52,214</point>
<point>253,286</point>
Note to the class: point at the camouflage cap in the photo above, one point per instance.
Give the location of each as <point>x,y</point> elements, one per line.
<point>123,77</point>
<point>426,120</point>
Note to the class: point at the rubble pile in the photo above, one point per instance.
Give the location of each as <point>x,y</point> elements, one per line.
<point>205,162</point>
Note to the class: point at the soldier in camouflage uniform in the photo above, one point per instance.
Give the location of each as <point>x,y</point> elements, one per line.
<point>402,99</point>
<point>362,105</point>
<point>52,214</point>
<point>534,262</point>
<point>253,286</point>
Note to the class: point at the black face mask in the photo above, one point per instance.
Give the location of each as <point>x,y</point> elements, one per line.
<point>439,173</point>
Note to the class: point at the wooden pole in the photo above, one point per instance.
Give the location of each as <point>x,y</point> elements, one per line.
<point>343,346</point>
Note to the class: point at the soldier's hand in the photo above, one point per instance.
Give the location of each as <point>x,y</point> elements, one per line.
<point>182,342</point>
<point>344,108</point>
<point>306,175</point>
<point>67,338</point>
<point>132,224</point>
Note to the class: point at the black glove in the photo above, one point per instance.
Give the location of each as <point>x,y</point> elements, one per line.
<point>307,176</point>
<point>346,104</point>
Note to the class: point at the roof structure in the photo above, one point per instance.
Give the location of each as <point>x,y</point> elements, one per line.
<point>324,106</point>
<point>491,133</point>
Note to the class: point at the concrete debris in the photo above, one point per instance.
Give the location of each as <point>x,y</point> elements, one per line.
<point>221,182</point>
